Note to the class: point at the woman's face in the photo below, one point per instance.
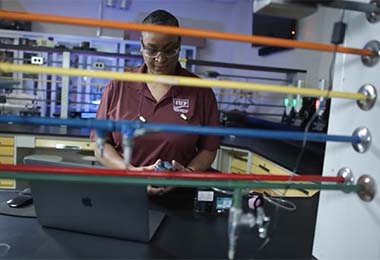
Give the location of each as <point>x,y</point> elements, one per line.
<point>160,52</point>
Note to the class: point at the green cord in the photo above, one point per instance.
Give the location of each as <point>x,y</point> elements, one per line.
<point>237,185</point>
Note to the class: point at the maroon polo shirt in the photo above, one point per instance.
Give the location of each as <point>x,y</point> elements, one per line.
<point>124,100</point>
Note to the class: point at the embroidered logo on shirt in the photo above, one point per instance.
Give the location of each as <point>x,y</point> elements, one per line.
<point>181,105</point>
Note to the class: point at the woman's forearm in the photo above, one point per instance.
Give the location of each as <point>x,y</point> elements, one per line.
<point>110,158</point>
<point>202,161</point>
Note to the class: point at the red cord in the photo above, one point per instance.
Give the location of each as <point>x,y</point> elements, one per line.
<point>168,175</point>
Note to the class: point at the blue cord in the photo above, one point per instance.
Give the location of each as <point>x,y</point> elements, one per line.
<point>121,126</point>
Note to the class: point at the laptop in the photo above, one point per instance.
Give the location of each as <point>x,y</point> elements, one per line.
<point>112,210</point>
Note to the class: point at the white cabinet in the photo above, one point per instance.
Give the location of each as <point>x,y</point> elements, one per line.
<point>241,161</point>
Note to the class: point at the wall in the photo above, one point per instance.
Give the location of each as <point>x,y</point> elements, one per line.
<point>228,16</point>
<point>348,228</point>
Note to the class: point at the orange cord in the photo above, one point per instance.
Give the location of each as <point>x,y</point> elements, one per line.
<point>259,40</point>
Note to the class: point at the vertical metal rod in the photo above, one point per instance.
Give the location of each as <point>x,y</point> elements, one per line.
<point>234,222</point>
<point>99,30</point>
<point>237,198</point>
<point>65,86</point>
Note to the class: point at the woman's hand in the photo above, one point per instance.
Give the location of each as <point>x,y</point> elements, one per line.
<point>152,190</point>
<point>163,190</point>
<point>180,167</point>
<point>144,168</point>
<point>158,190</point>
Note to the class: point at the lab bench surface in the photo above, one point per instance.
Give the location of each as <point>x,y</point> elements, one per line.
<point>182,235</point>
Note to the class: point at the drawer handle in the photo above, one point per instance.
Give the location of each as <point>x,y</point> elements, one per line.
<point>264,168</point>
<point>70,147</point>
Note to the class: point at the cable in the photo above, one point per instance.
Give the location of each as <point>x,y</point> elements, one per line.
<point>281,203</point>
<point>307,127</point>
<point>227,192</point>
<point>339,28</point>
<point>300,155</point>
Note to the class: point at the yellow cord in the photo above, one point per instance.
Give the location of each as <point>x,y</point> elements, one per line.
<point>180,81</point>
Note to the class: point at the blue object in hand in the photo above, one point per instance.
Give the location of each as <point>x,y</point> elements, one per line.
<point>164,166</point>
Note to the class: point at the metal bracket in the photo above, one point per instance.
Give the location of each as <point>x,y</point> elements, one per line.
<point>365,139</point>
<point>347,174</point>
<point>37,60</point>
<point>373,46</point>
<point>369,188</point>
<point>371,9</point>
<point>98,65</point>
<point>374,17</point>
<point>370,92</point>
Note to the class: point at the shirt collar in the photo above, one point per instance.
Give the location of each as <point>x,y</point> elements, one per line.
<point>176,90</point>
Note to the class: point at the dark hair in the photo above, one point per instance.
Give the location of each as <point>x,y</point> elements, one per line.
<point>161,17</point>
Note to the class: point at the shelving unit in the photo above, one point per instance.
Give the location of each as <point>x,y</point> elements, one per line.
<point>55,96</point>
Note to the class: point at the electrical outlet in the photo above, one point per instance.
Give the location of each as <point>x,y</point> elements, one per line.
<point>98,65</point>
<point>37,60</point>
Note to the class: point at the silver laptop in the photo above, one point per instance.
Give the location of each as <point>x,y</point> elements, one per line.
<point>112,210</point>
